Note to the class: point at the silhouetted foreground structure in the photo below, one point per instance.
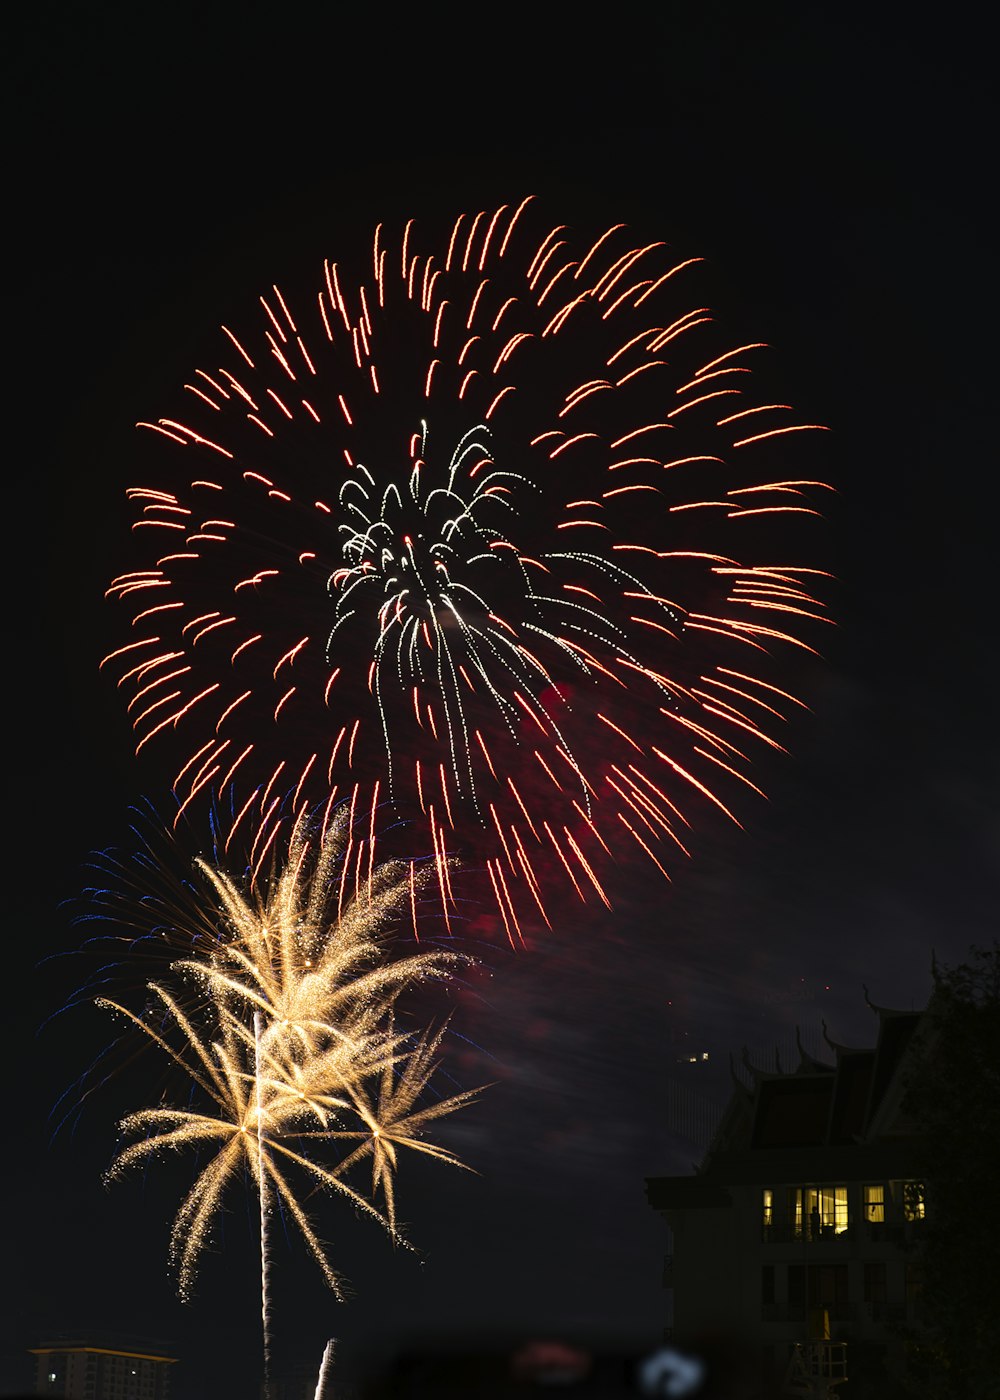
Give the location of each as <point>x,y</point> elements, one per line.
<point>800,1230</point>
<point>92,1368</point>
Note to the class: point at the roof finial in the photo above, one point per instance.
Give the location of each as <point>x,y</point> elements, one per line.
<point>806,1060</point>
<point>834,1045</point>
<point>736,1079</point>
<point>748,1064</point>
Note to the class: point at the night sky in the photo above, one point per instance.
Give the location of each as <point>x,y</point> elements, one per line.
<point>167,167</point>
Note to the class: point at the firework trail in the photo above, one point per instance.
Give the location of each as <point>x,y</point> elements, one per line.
<point>323,1379</point>
<point>265,1241</point>
<point>495,534</point>
<point>295,1019</point>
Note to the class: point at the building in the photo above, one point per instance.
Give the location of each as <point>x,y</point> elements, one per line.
<point>74,1368</point>
<point>801,1227</point>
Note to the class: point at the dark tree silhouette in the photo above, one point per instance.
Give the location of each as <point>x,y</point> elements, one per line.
<point>954,1098</point>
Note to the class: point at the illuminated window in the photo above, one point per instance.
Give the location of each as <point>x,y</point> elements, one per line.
<point>818,1210</point>
<point>875,1203</point>
<point>909,1199</point>
<point>913,1200</point>
<point>768,1207</point>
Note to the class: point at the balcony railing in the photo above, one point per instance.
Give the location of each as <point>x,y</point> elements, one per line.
<point>812,1362</point>
<point>783,1233</point>
<point>895,1232</point>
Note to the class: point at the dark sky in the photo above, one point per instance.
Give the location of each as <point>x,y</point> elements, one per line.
<point>166,165</point>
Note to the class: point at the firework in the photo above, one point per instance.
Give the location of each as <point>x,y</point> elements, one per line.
<point>294,1048</point>
<point>305,951</point>
<point>154,909</point>
<point>323,1378</point>
<point>491,535</point>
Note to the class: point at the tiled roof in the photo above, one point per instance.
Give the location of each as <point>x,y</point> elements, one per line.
<point>820,1105</point>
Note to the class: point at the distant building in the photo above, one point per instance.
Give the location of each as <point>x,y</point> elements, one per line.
<point>800,1230</point>
<point>91,1369</point>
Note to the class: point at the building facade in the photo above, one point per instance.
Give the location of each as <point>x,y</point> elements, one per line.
<point>802,1226</point>
<point>85,1369</point>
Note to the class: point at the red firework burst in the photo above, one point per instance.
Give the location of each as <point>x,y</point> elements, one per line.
<point>487,538</point>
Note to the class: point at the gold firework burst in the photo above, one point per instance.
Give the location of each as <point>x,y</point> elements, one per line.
<point>294,1047</point>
